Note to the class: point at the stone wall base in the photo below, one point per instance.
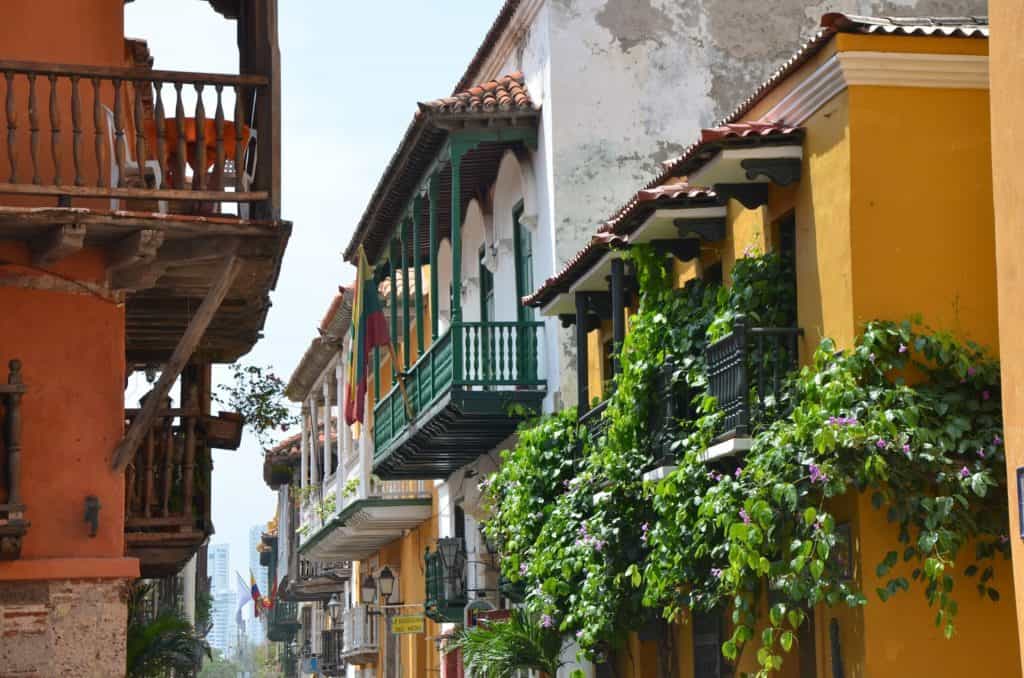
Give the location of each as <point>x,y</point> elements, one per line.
<point>63,628</point>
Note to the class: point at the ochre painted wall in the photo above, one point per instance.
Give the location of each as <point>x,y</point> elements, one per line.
<point>1006,72</point>
<point>71,344</point>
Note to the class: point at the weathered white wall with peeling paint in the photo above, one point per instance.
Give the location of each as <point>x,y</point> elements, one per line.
<point>627,84</point>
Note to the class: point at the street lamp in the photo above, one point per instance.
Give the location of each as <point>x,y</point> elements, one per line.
<point>448,547</point>
<point>334,608</point>
<point>386,583</point>
<point>368,589</point>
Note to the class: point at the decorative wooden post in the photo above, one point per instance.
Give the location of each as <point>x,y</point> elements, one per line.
<point>618,312</point>
<point>435,300</point>
<point>456,235</point>
<point>304,433</point>
<point>314,438</point>
<point>582,386</point>
<point>393,256</point>
<point>12,434</point>
<point>417,264</point>
<point>406,344</point>
<point>327,427</point>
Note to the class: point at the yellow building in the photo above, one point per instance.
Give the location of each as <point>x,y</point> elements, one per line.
<point>1006,71</point>
<point>867,158</point>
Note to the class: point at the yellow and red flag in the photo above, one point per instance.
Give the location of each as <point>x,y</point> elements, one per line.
<point>369,330</point>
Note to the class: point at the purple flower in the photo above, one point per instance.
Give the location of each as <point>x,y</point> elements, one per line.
<point>906,448</point>
<point>643,537</point>
<point>981,452</point>
<point>523,568</point>
<point>871,357</point>
<point>880,443</point>
<point>739,471</point>
<point>818,524</point>
<point>579,634</point>
<point>716,572</point>
<point>971,371</point>
<point>714,475</point>
<point>744,517</point>
<point>583,530</point>
<point>598,544</point>
<point>565,484</point>
<point>965,472</point>
<point>1003,539</point>
<point>816,475</point>
<point>985,395</point>
<point>997,440</point>
<point>546,621</point>
<point>903,348</point>
<point>645,527</point>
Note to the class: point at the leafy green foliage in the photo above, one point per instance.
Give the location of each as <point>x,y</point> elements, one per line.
<point>258,395</point>
<point>500,649</point>
<point>908,417</point>
<point>164,644</point>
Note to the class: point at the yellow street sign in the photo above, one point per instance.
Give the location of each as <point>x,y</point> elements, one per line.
<point>409,623</point>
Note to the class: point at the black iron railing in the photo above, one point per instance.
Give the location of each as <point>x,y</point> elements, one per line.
<point>594,420</point>
<point>446,593</point>
<point>748,372</point>
<point>332,646</point>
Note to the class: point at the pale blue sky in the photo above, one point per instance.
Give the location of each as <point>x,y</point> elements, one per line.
<point>352,73</point>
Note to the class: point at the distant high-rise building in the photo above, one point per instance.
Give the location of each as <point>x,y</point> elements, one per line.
<point>224,595</point>
<point>256,630</point>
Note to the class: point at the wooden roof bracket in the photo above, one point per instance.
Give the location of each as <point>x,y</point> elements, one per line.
<point>182,353</point>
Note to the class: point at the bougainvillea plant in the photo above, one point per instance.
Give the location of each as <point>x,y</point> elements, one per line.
<point>908,417</point>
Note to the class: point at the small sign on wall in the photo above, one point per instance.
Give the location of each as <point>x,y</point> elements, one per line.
<point>408,624</point>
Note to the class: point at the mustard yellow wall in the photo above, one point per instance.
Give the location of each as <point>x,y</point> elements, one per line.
<point>1006,72</point>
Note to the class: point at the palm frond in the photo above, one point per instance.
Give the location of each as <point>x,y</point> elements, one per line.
<point>499,649</point>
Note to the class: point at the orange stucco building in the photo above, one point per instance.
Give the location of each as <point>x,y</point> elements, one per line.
<point>107,266</point>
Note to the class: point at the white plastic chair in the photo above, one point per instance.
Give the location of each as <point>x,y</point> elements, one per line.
<point>248,168</point>
<point>130,164</point>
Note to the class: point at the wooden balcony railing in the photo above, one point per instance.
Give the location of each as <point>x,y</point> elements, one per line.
<point>315,569</point>
<point>747,372</point>
<point>78,131</point>
<point>470,355</point>
<point>13,525</point>
<point>359,635</point>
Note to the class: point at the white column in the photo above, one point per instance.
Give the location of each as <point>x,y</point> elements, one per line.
<point>189,592</point>
<point>339,381</point>
<point>327,427</point>
<point>304,466</point>
<point>314,437</point>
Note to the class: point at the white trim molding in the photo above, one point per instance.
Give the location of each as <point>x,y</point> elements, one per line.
<point>881,69</point>
<point>727,448</point>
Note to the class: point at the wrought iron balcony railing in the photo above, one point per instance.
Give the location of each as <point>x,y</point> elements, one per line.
<point>748,373</point>
<point>332,645</point>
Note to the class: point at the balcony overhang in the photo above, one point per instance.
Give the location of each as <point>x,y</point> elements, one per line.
<point>364,526</point>
<point>744,173</point>
<point>662,225</point>
<point>460,427</point>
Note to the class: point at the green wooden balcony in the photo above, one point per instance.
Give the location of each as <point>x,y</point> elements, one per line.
<point>467,393</point>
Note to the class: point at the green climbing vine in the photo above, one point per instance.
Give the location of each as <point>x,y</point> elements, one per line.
<point>911,418</point>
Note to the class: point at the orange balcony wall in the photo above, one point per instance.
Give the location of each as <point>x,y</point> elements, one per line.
<point>70,340</point>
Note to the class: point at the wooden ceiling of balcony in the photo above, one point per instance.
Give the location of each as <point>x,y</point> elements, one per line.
<point>227,8</point>
<point>162,266</point>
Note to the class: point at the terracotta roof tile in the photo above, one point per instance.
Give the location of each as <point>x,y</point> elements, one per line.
<point>501,22</point>
<point>615,233</point>
<point>506,94</point>
<point>713,139</point>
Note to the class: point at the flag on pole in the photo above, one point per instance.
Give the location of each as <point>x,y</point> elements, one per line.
<point>254,590</point>
<point>244,596</point>
<point>369,330</point>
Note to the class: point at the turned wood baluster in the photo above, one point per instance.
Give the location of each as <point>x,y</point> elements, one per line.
<point>147,475</point>
<point>33,127</point>
<point>119,140</point>
<point>161,131</point>
<point>218,126</point>
<point>130,492</point>
<point>140,131</point>
<point>168,472</point>
<point>12,436</point>
<point>239,148</point>
<point>189,463</point>
<point>76,130</point>
<point>199,169</point>
<point>54,130</point>
<point>97,125</point>
<point>12,128</point>
<point>179,124</point>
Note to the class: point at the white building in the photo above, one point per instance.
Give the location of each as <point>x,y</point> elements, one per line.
<point>256,628</point>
